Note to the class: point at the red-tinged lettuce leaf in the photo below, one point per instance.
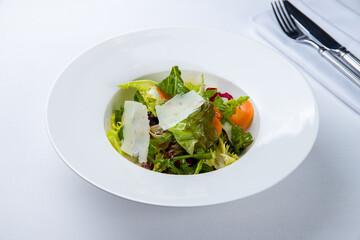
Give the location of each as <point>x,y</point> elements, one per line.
<point>196,131</point>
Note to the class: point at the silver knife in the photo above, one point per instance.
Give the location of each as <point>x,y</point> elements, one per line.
<point>323,36</point>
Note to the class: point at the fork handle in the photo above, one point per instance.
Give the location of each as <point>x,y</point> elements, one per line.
<point>352,60</point>
<point>340,66</point>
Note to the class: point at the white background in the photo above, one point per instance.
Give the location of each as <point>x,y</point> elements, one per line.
<point>41,198</point>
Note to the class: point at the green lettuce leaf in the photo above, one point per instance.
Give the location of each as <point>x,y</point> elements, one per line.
<point>116,123</point>
<point>205,94</point>
<point>206,168</point>
<point>161,163</point>
<point>239,139</point>
<point>112,135</point>
<point>211,160</point>
<point>184,136</point>
<point>173,84</point>
<point>199,166</point>
<point>196,168</point>
<point>114,120</point>
<point>186,169</point>
<point>166,137</point>
<point>227,127</point>
<point>207,155</point>
<point>115,135</point>
<point>159,159</point>
<point>118,114</point>
<point>196,131</point>
<point>169,164</point>
<point>202,86</point>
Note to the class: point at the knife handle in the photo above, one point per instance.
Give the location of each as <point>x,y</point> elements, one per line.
<point>340,66</point>
<point>352,60</point>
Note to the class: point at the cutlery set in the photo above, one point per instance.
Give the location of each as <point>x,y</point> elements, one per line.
<point>302,29</point>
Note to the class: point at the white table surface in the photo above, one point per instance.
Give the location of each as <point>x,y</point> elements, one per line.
<point>41,198</point>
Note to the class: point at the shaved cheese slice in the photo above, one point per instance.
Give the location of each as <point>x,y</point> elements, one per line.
<point>178,108</point>
<point>136,130</point>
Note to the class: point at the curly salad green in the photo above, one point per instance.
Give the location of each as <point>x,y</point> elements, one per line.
<point>181,128</point>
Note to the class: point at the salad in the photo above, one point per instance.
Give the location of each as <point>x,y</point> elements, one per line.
<point>181,128</point>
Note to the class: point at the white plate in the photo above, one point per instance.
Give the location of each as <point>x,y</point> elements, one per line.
<point>284,128</point>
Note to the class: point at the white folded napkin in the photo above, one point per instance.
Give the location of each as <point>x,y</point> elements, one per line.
<point>353,5</point>
<point>335,18</point>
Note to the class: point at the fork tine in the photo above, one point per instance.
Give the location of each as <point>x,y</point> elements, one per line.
<point>289,20</point>
<point>281,14</point>
<point>278,19</point>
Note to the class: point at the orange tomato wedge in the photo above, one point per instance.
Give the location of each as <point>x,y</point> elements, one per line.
<point>163,95</point>
<point>216,122</point>
<point>244,115</point>
<point>217,113</point>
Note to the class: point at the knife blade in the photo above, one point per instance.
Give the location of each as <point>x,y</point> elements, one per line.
<point>322,36</point>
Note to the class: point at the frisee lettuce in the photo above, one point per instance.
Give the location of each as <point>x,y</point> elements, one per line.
<point>118,114</point>
<point>223,156</point>
<point>112,135</point>
<point>141,85</point>
<point>194,87</point>
<point>115,134</point>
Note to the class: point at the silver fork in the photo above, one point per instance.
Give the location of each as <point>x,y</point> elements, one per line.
<point>291,29</point>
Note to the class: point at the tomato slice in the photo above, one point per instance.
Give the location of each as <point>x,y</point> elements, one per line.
<point>244,115</point>
<point>163,95</point>
<point>217,113</point>
<point>216,122</point>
